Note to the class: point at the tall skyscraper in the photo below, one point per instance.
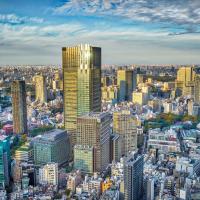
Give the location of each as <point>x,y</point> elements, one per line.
<point>93,129</point>
<point>133,177</point>
<point>126,81</point>
<point>124,124</point>
<point>81,83</point>
<point>18,90</point>
<point>40,88</point>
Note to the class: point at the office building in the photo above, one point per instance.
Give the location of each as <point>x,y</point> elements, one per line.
<point>18,90</point>
<point>81,84</point>
<point>115,147</point>
<point>124,124</point>
<point>52,146</point>
<point>93,129</point>
<point>133,177</point>
<point>185,80</point>
<point>40,88</point>
<point>84,158</point>
<point>197,89</point>
<point>140,98</point>
<point>127,82</point>
<point>5,160</point>
<point>48,174</point>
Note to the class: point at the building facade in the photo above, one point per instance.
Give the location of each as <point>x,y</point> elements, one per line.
<point>53,146</point>
<point>126,81</point>
<point>125,126</point>
<point>40,88</point>
<point>84,158</point>
<point>48,174</point>
<point>93,129</point>
<point>81,84</point>
<point>5,160</point>
<point>133,177</point>
<point>18,90</point>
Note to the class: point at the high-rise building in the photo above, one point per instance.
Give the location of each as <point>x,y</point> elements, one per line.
<point>115,148</point>
<point>84,158</point>
<point>52,146</point>
<point>197,89</point>
<point>185,80</point>
<point>124,124</point>
<point>133,177</point>
<point>126,81</point>
<point>40,88</point>
<point>81,84</point>
<point>18,90</point>
<point>4,161</point>
<point>48,174</point>
<point>93,129</point>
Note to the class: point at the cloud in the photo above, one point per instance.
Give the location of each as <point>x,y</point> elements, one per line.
<point>16,20</point>
<point>42,44</point>
<point>179,12</point>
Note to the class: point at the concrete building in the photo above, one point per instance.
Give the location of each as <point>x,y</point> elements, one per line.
<point>48,174</point>
<point>40,88</point>
<point>93,129</point>
<point>18,90</point>
<point>53,146</point>
<point>84,158</point>
<point>81,84</point>
<point>124,124</point>
<point>133,177</point>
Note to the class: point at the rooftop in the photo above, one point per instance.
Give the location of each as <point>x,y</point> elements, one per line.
<point>51,135</point>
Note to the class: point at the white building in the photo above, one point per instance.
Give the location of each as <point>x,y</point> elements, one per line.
<point>48,174</point>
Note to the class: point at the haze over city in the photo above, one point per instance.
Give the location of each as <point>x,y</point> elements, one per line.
<point>129,31</point>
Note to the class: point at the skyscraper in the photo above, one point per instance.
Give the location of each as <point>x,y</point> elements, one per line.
<point>93,129</point>
<point>126,81</point>
<point>40,88</point>
<point>81,83</point>
<point>133,177</point>
<point>18,90</point>
<point>124,124</point>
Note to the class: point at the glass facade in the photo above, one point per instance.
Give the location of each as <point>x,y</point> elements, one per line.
<point>51,147</point>
<point>84,158</point>
<point>81,83</point>
<point>4,162</point>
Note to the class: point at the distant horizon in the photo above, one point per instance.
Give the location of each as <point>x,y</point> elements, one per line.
<point>133,31</point>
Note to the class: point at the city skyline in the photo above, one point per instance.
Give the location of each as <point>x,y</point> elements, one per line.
<point>129,32</point>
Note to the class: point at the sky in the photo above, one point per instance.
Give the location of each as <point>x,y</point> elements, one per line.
<point>128,31</point>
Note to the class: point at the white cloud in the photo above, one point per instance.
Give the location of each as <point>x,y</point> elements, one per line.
<point>42,44</point>
<point>14,19</point>
<point>179,11</point>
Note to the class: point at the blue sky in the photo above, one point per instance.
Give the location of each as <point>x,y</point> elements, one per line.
<point>129,31</point>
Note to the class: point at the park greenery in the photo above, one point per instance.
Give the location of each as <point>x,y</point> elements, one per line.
<point>41,130</point>
<point>165,120</point>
